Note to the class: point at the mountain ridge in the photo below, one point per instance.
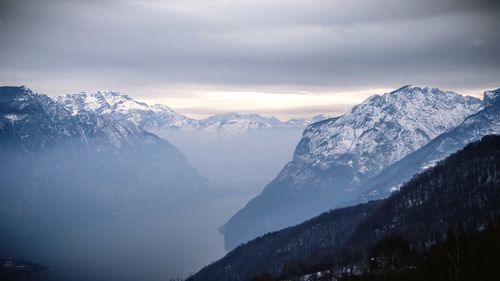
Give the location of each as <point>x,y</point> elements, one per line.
<point>462,191</point>
<point>154,117</point>
<point>484,122</point>
<point>336,156</point>
<point>84,164</point>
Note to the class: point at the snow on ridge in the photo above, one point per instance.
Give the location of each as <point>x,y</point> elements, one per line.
<point>384,128</point>
<point>61,121</point>
<point>492,96</point>
<point>101,102</point>
<point>119,105</point>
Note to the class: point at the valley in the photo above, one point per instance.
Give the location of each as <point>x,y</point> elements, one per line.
<point>157,243</point>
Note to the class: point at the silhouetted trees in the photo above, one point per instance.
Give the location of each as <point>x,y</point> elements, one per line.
<point>461,256</point>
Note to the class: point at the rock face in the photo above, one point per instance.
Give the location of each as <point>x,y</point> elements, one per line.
<point>335,157</point>
<point>58,167</point>
<point>484,122</point>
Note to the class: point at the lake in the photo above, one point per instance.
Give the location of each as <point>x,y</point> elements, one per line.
<point>151,244</point>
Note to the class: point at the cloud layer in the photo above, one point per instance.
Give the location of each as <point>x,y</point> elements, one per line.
<point>314,46</point>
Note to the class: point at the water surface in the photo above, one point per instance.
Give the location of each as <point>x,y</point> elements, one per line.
<point>151,244</point>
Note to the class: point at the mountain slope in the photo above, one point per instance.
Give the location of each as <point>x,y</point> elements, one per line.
<point>250,149</point>
<point>473,128</point>
<point>461,191</point>
<point>121,107</point>
<point>336,156</point>
<point>58,167</point>
<point>273,252</point>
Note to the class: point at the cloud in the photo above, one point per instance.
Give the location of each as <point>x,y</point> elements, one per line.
<point>73,45</point>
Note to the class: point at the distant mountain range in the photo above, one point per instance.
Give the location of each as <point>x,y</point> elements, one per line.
<point>232,150</point>
<point>59,167</point>
<point>119,106</point>
<point>460,194</point>
<point>365,154</point>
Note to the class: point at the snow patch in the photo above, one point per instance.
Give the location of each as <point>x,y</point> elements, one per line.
<point>14,117</point>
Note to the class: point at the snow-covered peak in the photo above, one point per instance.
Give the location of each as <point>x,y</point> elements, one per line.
<point>101,102</point>
<point>298,122</point>
<point>156,117</point>
<point>234,123</point>
<point>384,128</point>
<point>121,102</point>
<point>161,108</point>
<point>319,117</point>
<point>304,122</point>
<point>476,126</point>
<point>40,121</point>
<point>251,117</point>
<point>492,97</point>
<point>120,106</point>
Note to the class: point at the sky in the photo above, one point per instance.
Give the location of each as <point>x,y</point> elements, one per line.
<point>285,58</point>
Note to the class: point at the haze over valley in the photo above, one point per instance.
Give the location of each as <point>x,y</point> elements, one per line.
<point>249,140</point>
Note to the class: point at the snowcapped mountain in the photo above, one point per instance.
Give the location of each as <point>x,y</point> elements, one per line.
<point>37,122</point>
<point>58,167</point>
<point>337,155</point>
<point>383,129</point>
<point>160,117</point>
<point>484,122</point>
<point>297,122</point>
<point>249,149</point>
<point>121,107</point>
<point>234,123</point>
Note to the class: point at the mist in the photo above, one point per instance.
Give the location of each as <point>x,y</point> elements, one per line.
<point>93,197</point>
<point>243,163</point>
<point>82,230</point>
<point>93,214</point>
<point>159,243</point>
<point>99,185</point>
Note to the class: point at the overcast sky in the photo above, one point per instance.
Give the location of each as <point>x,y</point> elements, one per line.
<point>285,58</point>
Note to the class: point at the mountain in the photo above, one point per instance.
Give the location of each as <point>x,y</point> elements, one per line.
<point>59,167</point>
<point>273,252</point>
<point>119,106</point>
<point>297,122</point>
<point>156,117</point>
<point>484,122</point>
<point>235,123</point>
<point>250,149</point>
<point>335,157</point>
<point>462,192</point>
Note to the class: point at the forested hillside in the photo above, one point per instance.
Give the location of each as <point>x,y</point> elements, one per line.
<point>460,194</point>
